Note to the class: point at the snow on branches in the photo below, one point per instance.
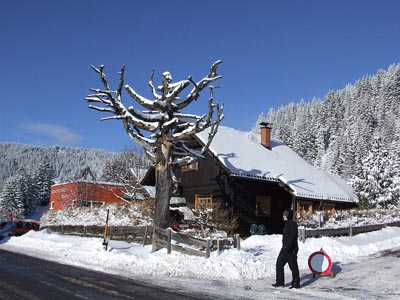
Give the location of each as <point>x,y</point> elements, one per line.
<point>162,129</point>
<point>162,117</point>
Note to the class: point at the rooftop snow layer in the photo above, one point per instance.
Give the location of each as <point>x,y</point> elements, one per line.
<point>242,153</point>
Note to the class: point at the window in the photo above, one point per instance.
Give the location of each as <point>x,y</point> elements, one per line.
<point>263,206</point>
<point>203,201</point>
<point>194,166</point>
<point>91,203</point>
<point>73,204</point>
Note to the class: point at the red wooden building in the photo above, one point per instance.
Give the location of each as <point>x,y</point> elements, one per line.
<point>85,193</point>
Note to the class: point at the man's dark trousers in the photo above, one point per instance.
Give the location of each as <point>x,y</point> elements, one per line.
<point>290,258</point>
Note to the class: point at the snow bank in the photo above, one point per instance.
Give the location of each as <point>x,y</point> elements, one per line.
<point>256,259</point>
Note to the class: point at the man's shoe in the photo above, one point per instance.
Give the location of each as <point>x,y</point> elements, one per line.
<point>277,285</point>
<point>296,286</point>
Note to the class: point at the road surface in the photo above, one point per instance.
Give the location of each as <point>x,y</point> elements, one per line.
<point>25,277</point>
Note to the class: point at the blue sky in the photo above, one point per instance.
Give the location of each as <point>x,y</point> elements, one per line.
<point>273,52</point>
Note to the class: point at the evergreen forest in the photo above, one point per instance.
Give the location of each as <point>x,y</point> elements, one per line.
<point>353,132</point>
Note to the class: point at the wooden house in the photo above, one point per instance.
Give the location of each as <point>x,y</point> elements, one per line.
<point>257,179</point>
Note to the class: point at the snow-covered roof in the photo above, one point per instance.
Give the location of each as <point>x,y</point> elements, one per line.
<point>90,181</point>
<point>151,190</point>
<point>243,155</point>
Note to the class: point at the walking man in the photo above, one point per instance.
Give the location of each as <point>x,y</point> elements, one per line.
<point>288,253</point>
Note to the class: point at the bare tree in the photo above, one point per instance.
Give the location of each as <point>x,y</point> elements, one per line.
<point>162,129</point>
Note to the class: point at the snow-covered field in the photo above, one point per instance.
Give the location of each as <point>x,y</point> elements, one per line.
<point>244,274</point>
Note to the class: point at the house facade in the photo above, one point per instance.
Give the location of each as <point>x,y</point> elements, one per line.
<point>85,193</point>
<point>257,178</point>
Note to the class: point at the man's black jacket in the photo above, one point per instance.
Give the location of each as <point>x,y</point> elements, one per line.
<point>289,238</point>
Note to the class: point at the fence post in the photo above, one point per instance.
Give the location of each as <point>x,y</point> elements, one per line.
<point>237,237</point>
<point>351,230</point>
<point>110,232</point>
<point>145,236</point>
<point>155,247</point>
<point>169,233</point>
<point>208,250</point>
<point>303,234</point>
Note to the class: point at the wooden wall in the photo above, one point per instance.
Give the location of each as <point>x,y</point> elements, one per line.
<point>236,193</point>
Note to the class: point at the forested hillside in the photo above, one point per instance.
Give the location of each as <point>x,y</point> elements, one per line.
<point>336,133</point>
<point>67,162</point>
<point>27,172</point>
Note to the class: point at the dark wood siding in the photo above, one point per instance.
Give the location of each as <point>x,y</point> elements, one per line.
<point>210,178</point>
<point>237,193</point>
<point>245,193</point>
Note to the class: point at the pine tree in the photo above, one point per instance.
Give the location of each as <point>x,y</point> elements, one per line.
<point>43,180</point>
<point>26,192</point>
<point>12,200</point>
<point>377,185</point>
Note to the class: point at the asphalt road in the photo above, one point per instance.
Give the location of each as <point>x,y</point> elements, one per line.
<point>25,277</point>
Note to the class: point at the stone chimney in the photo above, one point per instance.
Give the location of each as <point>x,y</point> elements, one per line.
<point>266,134</point>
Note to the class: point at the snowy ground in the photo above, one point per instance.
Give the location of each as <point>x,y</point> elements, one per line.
<point>360,270</point>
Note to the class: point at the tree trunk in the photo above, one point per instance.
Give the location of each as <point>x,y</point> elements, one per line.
<point>163,186</point>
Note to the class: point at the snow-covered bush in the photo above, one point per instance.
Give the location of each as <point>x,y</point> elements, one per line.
<point>130,214</point>
<point>214,222</point>
<point>351,217</point>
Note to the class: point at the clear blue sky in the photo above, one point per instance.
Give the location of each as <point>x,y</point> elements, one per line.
<point>273,52</point>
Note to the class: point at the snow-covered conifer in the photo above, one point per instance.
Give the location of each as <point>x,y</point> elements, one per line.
<point>12,200</point>
<point>43,180</point>
<point>377,184</point>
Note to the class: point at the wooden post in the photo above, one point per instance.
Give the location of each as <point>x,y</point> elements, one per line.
<point>208,250</point>
<point>145,236</point>
<point>155,247</point>
<point>303,234</point>
<point>293,206</point>
<point>169,233</point>
<point>110,232</point>
<point>237,237</point>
